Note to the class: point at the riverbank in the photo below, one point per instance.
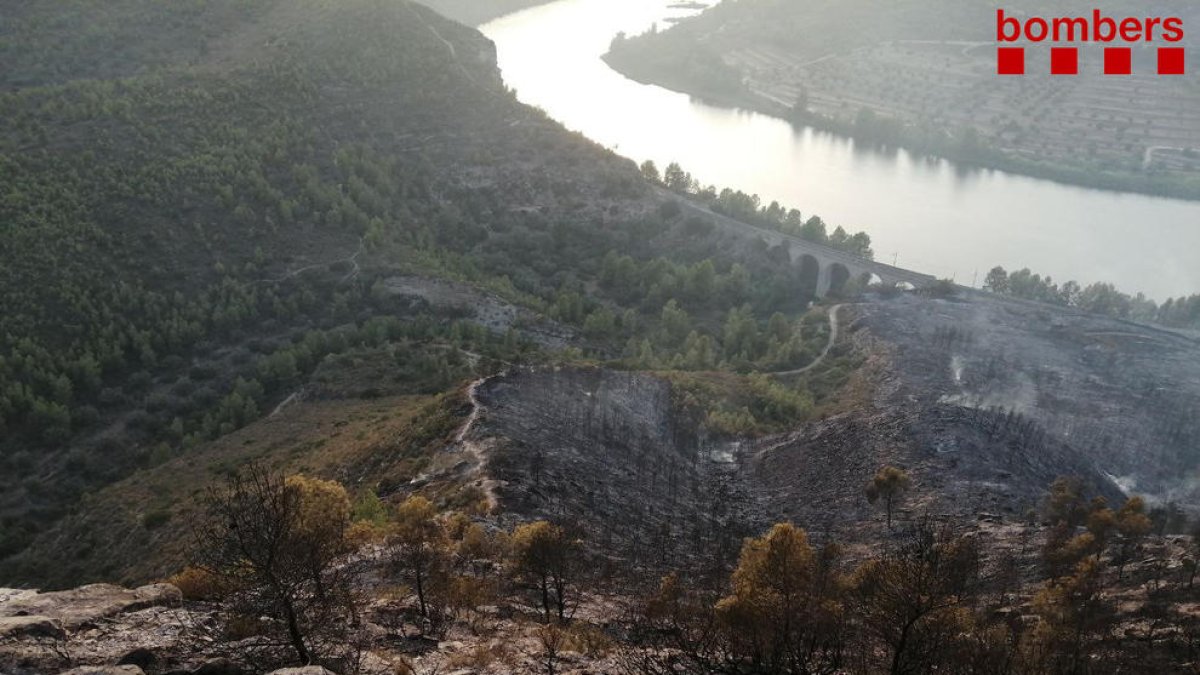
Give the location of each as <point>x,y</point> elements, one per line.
<point>944,218</point>
<point>966,153</point>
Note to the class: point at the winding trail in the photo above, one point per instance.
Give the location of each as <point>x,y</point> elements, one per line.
<point>1148,157</point>
<point>833,336</point>
<point>476,408</point>
<point>285,403</point>
<point>352,259</point>
<point>479,451</point>
<point>449,45</point>
<point>476,449</point>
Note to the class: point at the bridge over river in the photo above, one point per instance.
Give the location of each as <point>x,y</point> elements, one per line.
<point>824,267</point>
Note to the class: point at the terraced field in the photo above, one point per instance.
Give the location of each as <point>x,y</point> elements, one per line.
<point>922,76</point>
<point>1128,123</point>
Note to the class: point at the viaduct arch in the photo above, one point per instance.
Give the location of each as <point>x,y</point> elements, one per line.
<point>830,267</point>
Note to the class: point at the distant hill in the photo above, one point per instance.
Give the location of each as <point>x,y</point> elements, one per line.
<point>478,12</point>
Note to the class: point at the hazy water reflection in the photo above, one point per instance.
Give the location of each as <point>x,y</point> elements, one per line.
<point>928,214</point>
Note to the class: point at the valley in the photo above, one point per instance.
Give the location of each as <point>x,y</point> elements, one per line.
<point>322,349</point>
<point>639,467</point>
<point>948,219</point>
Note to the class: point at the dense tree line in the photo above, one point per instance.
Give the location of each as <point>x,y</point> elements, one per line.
<point>181,246</point>
<point>424,354</point>
<point>1097,298</point>
<point>748,208</point>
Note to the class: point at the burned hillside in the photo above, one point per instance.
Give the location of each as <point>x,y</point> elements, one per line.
<point>609,452</point>
<point>1115,396</point>
<point>982,420</point>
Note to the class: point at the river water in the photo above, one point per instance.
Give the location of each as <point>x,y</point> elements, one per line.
<point>927,215</point>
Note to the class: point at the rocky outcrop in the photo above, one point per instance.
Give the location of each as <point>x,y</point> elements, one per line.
<point>98,629</point>
<point>17,627</point>
<point>87,604</point>
<point>104,670</point>
<point>219,666</point>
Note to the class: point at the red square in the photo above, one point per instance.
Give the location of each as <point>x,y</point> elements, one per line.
<point>1010,60</point>
<point>1118,60</point>
<point>1064,61</point>
<point>1170,61</point>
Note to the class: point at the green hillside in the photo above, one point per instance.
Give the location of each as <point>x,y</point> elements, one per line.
<point>176,184</point>
<point>204,202</point>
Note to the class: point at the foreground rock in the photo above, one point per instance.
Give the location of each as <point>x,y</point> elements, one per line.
<point>104,670</point>
<point>92,629</point>
<point>88,604</point>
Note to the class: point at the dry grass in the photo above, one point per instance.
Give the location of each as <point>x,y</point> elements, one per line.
<point>380,444</point>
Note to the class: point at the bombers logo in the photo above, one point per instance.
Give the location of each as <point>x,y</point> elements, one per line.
<point>1097,28</point>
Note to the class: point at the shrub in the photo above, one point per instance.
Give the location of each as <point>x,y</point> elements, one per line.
<point>197,584</point>
<point>156,519</point>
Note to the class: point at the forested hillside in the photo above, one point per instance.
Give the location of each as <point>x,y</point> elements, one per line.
<point>152,219</point>
<point>202,201</point>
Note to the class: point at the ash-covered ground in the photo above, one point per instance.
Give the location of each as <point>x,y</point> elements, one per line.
<point>1114,396</point>
<point>608,452</point>
<point>984,401</point>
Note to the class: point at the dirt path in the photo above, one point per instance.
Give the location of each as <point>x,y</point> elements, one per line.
<point>477,449</point>
<point>449,44</point>
<point>1148,157</point>
<point>833,336</point>
<point>285,403</point>
<point>352,259</point>
<point>476,408</point>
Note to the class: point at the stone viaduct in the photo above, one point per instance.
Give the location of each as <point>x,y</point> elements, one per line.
<point>826,268</point>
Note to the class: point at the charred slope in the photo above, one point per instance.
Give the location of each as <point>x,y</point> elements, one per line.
<point>962,462</point>
<point>608,452</point>
<point>1067,389</point>
<point>985,401</point>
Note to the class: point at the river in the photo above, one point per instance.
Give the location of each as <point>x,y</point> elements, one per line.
<point>927,215</point>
